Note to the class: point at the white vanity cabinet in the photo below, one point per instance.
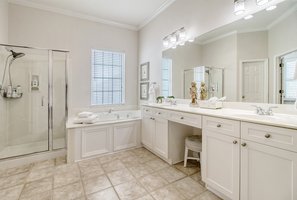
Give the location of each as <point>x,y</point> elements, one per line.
<point>155,132</point>
<point>221,156</point>
<point>268,163</point>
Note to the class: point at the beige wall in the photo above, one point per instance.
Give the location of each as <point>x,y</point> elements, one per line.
<point>3,39</point>
<point>222,53</point>
<point>281,39</point>
<point>33,27</point>
<point>184,57</point>
<point>3,21</point>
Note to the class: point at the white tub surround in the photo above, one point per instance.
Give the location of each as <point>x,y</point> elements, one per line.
<point>244,155</point>
<point>111,132</point>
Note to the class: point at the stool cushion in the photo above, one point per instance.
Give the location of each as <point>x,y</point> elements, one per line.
<point>194,143</point>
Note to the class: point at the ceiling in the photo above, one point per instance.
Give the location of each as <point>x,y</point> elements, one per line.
<point>132,14</point>
<point>262,20</point>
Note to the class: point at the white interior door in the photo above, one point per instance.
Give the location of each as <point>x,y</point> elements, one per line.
<point>255,81</point>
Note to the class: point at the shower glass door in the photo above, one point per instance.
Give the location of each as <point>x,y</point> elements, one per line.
<point>24,101</point>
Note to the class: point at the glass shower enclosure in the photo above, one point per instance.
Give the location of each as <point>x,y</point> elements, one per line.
<point>33,101</point>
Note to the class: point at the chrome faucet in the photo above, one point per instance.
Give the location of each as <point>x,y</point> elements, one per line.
<point>110,110</point>
<point>262,111</point>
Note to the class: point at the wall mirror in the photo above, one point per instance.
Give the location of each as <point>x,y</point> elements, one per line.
<point>250,60</point>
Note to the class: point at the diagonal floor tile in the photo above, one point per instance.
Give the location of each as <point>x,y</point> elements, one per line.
<point>168,192</point>
<point>12,193</point>
<point>152,182</point>
<point>130,190</point>
<point>107,194</point>
<point>14,180</point>
<point>141,170</point>
<point>96,184</point>
<point>189,188</point>
<point>69,192</point>
<point>121,176</point>
<point>171,174</point>
<point>37,187</point>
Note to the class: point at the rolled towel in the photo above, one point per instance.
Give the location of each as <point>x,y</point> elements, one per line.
<point>87,120</point>
<point>85,114</point>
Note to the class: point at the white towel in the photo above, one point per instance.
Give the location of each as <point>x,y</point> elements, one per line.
<point>87,120</point>
<point>85,114</point>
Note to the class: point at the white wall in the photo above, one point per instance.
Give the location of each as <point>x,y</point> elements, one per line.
<point>3,39</point>
<point>223,54</point>
<point>184,57</point>
<point>3,21</point>
<point>197,16</point>
<point>281,40</point>
<point>33,27</point>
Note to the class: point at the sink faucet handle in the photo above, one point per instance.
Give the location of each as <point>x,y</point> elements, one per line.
<point>259,110</point>
<point>269,111</point>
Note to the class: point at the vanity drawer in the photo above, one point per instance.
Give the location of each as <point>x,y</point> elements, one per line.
<point>224,126</point>
<point>161,113</point>
<point>186,118</point>
<point>147,110</point>
<point>273,136</point>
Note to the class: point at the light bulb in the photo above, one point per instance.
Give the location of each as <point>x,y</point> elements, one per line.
<point>248,17</point>
<point>271,8</point>
<point>174,47</point>
<point>165,42</point>
<point>262,2</point>
<point>173,39</point>
<point>182,34</point>
<point>239,7</point>
<point>191,40</point>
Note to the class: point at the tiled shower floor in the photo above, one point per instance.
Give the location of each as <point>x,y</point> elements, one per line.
<point>133,174</point>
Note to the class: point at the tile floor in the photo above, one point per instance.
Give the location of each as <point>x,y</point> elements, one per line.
<point>134,174</point>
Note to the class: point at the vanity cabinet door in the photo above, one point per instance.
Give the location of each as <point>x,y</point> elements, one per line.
<point>161,137</point>
<point>267,173</point>
<point>147,131</point>
<point>220,163</point>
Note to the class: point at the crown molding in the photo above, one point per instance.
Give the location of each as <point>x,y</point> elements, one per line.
<point>163,7</point>
<point>72,14</point>
<point>282,17</point>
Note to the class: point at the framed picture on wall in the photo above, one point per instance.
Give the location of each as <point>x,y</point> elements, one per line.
<point>144,88</point>
<point>145,71</point>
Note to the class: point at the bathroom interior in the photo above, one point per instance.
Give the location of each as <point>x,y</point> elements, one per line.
<point>148,99</point>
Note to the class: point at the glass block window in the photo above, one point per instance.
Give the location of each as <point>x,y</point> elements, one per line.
<point>108,78</point>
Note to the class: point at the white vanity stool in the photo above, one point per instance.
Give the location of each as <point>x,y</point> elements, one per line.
<point>194,144</point>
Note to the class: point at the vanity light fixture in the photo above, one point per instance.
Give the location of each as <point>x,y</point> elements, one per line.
<point>239,7</point>
<point>248,17</point>
<point>261,2</point>
<point>191,40</point>
<point>271,8</point>
<point>178,37</point>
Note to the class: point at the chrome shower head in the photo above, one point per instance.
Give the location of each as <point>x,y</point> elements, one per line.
<point>14,54</point>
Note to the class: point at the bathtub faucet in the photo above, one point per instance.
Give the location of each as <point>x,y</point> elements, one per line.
<point>110,110</point>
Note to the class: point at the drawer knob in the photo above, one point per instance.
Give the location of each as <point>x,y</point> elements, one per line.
<point>243,144</point>
<point>182,118</point>
<point>159,113</point>
<point>219,125</point>
<point>267,135</point>
<point>235,142</point>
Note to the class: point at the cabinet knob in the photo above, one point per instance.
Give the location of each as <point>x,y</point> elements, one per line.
<point>267,135</point>
<point>182,118</point>
<point>219,125</point>
<point>243,144</point>
<point>159,113</point>
<point>153,118</point>
<point>235,142</point>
